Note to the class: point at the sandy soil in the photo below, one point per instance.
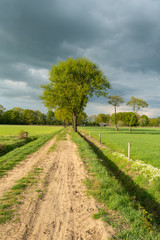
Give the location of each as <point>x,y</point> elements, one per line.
<point>64,212</point>
<point>25,166</point>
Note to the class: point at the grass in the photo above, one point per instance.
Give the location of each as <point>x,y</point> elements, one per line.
<point>14,130</point>
<point>10,201</point>
<point>145,142</point>
<point>11,159</point>
<point>11,135</point>
<point>129,208</point>
<point>53,148</point>
<point>8,143</point>
<point>62,136</point>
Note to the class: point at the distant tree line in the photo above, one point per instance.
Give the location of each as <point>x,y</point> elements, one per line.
<point>124,119</point>
<point>21,116</point>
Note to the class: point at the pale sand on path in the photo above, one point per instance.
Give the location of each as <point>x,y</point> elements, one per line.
<point>64,212</point>
<point>20,170</point>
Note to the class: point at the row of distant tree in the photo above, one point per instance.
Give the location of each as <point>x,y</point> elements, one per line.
<point>31,117</point>
<point>26,117</point>
<point>124,119</point>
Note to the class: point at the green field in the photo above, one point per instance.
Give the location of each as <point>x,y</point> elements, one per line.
<point>131,201</point>
<point>145,142</point>
<point>14,149</point>
<point>10,135</point>
<point>14,130</point>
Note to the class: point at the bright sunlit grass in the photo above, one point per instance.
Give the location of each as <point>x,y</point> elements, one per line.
<point>14,130</point>
<point>145,142</point>
<point>128,207</point>
<point>19,153</point>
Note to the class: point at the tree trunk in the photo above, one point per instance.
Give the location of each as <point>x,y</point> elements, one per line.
<point>130,129</point>
<point>74,122</point>
<point>116,128</point>
<point>64,123</point>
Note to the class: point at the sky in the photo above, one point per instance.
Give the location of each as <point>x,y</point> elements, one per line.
<point>121,37</point>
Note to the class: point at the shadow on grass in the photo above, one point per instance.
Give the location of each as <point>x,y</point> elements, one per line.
<point>142,196</point>
<point>4,149</point>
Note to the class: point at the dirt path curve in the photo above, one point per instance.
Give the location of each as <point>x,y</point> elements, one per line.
<point>65,212</point>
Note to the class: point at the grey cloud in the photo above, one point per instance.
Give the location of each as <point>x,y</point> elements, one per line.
<point>18,90</point>
<point>122,37</point>
<point>38,32</point>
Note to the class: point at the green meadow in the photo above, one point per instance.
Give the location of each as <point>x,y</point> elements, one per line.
<point>14,147</point>
<point>130,200</point>
<point>145,142</point>
<point>14,130</point>
<point>11,136</point>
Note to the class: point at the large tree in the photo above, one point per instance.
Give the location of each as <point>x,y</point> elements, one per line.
<point>61,114</point>
<point>115,101</point>
<point>136,104</point>
<point>103,118</point>
<point>72,83</point>
<point>50,118</point>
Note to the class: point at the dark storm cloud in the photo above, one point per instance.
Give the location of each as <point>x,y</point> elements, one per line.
<point>122,37</point>
<point>35,30</point>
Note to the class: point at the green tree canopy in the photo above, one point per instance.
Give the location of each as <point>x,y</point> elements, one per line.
<point>158,118</point>
<point>50,119</point>
<point>72,83</point>
<point>1,111</point>
<point>1,108</point>
<point>136,104</point>
<point>92,120</point>
<point>153,122</point>
<point>63,115</point>
<point>82,118</point>
<point>143,120</point>
<point>124,118</point>
<point>102,118</point>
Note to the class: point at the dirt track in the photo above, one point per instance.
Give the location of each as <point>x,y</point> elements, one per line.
<point>64,212</point>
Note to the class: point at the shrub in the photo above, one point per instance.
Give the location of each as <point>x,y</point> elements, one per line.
<point>23,134</point>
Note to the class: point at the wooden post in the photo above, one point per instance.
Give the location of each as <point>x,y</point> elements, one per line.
<point>26,134</point>
<point>129,150</point>
<point>99,138</point>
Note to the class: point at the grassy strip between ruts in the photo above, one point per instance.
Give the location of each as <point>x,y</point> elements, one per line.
<point>61,136</point>
<point>11,159</point>
<point>10,201</point>
<point>124,201</point>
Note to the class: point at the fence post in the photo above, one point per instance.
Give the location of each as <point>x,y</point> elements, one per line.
<point>99,138</point>
<point>129,150</point>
